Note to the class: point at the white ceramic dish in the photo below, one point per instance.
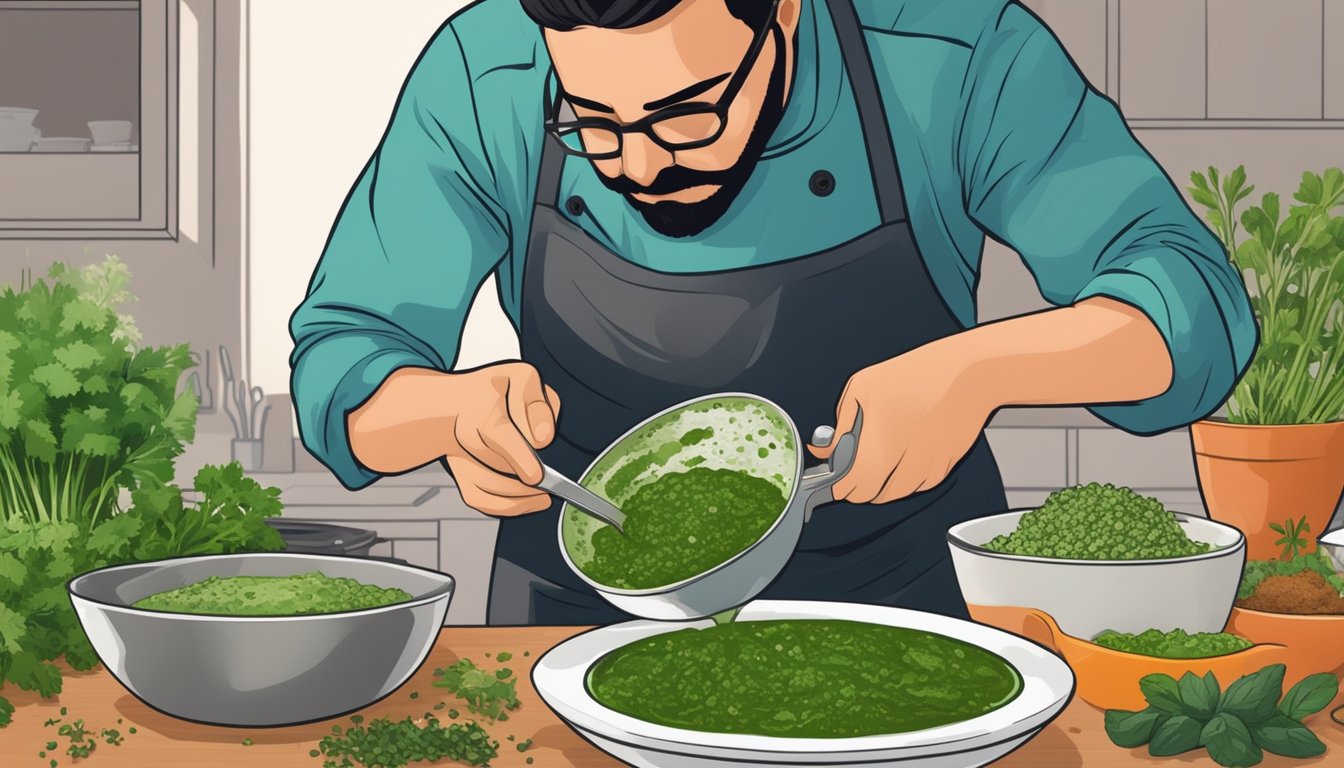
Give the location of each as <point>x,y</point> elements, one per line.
<point>560,678</point>
<point>1087,597</point>
<point>62,144</point>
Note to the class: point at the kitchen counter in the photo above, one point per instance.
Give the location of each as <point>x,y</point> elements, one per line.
<point>1075,739</point>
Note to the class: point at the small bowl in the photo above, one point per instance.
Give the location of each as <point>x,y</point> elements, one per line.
<point>1315,642</point>
<point>106,132</point>
<point>258,671</point>
<point>1087,597</point>
<point>1109,679</point>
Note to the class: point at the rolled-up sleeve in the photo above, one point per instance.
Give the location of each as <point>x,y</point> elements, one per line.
<point>417,236</point>
<point>1051,169</point>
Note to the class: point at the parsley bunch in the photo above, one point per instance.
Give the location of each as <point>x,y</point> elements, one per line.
<point>1236,726</point>
<point>83,411</point>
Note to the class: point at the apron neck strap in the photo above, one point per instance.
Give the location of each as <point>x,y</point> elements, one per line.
<point>872,116</point>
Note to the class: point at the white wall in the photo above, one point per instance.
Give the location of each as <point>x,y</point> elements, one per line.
<point>324,78</point>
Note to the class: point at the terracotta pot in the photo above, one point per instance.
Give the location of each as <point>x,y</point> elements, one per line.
<point>1251,476</point>
<point>1315,643</point>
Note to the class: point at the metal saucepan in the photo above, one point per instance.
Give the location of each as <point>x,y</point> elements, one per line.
<point>724,431</point>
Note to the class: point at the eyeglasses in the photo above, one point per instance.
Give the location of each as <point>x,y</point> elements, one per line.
<point>690,125</point>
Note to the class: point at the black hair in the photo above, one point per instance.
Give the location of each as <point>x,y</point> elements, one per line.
<point>565,15</point>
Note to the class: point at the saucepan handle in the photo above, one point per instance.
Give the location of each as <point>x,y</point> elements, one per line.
<point>815,486</point>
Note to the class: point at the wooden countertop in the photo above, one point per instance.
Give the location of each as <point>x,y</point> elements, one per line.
<point>1076,738</point>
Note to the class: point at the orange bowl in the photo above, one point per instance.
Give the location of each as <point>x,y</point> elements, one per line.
<point>1109,679</point>
<point>1315,642</point>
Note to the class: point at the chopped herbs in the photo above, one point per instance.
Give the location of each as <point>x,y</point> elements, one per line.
<point>1099,522</point>
<point>247,742</point>
<point>486,693</point>
<point>1176,644</point>
<point>415,694</point>
<point>298,595</point>
<point>524,744</point>
<point>503,656</point>
<point>6,712</point>
<point>388,744</point>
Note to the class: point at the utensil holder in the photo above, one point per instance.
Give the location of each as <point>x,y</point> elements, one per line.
<point>248,453</point>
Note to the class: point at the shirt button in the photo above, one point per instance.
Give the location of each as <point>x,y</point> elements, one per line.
<point>575,206</point>
<point>822,183</point>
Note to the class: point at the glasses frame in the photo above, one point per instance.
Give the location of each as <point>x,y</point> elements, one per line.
<point>645,125</point>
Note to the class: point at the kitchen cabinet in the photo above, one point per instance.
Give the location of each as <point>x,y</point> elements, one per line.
<point>1163,58</point>
<point>88,143</point>
<point>1333,64</point>
<point>1265,59</point>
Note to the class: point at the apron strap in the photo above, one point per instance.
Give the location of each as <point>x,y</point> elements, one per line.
<point>872,115</point>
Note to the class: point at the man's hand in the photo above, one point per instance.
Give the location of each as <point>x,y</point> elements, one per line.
<point>921,415</point>
<point>484,424</point>
<point>922,411</point>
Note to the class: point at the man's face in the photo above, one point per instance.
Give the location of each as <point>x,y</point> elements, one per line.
<point>687,56</point>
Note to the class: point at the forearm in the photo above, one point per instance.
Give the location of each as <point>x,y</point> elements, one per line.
<point>401,426</point>
<point>1094,352</point>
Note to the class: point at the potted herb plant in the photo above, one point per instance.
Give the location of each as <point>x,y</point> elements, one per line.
<point>1278,454</point>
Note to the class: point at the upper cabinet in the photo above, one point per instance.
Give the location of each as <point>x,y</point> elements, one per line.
<point>88,119</point>
<point>1221,61</point>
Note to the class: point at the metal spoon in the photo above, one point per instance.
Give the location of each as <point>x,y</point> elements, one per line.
<point>582,498</point>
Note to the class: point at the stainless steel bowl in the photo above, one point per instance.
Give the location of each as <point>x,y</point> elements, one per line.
<point>736,431</point>
<point>259,671</point>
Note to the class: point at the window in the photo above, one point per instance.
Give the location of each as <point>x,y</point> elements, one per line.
<point>88,142</point>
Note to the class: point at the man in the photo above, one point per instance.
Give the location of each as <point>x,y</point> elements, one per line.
<point>789,198</point>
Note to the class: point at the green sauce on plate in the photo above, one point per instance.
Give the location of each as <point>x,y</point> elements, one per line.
<point>682,525</point>
<point>298,595</point>
<point>803,679</point>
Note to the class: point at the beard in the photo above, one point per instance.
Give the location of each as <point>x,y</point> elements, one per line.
<point>679,220</point>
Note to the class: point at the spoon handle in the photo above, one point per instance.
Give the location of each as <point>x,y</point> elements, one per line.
<point>581,497</point>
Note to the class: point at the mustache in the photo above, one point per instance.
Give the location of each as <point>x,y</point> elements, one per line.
<point>671,179</point>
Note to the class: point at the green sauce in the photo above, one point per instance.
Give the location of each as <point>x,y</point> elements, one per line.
<point>302,594</point>
<point>803,679</point>
<point>682,525</point>
<point>1176,644</point>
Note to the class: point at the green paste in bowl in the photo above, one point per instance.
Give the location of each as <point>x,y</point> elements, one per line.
<point>683,524</point>
<point>803,678</point>
<point>298,595</point>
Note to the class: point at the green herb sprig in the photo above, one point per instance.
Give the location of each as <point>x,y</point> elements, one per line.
<point>1236,726</point>
<point>1293,542</point>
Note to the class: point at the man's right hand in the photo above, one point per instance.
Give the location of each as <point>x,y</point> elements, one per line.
<point>484,424</point>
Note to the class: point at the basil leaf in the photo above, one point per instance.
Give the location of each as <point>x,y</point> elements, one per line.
<point>1229,742</point>
<point>1310,696</point>
<point>1199,695</point>
<point>1178,734</point>
<point>1287,737</point>
<point>1255,697</point>
<point>1164,694</point>
<point>1131,729</point>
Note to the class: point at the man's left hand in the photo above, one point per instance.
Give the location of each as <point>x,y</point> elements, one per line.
<point>922,412</point>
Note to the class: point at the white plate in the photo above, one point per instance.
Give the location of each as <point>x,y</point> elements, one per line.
<point>560,678</point>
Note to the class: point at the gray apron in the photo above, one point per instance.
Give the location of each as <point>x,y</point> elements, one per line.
<point>620,342</point>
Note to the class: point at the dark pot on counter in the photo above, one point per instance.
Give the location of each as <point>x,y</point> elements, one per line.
<point>326,539</point>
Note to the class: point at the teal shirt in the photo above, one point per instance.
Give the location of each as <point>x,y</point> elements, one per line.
<point>996,132</point>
